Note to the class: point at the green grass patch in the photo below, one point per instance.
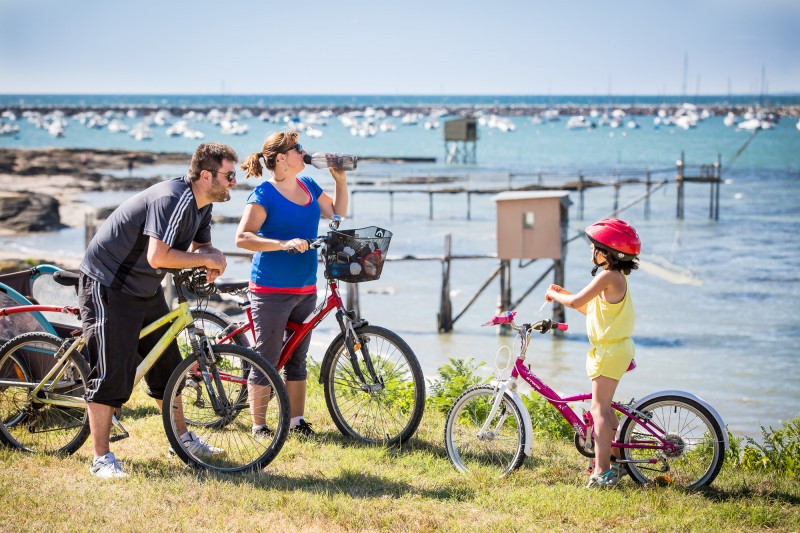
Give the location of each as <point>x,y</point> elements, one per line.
<point>334,484</point>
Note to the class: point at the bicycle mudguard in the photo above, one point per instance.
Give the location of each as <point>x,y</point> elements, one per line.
<point>688,396</point>
<point>526,417</point>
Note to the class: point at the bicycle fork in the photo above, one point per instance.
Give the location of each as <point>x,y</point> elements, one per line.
<point>353,345</point>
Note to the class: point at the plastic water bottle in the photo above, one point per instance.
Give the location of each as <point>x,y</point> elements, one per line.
<point>331,160</point>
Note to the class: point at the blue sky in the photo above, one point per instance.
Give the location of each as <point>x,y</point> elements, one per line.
<point>408,47</point>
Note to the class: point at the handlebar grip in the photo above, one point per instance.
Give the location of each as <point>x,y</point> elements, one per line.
<point>562,327</point>
<point>295,251</point>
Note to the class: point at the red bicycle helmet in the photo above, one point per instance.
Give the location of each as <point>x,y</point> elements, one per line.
<point>617,236</point>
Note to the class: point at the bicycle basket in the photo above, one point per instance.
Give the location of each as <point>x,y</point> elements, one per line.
<point>356,255</point>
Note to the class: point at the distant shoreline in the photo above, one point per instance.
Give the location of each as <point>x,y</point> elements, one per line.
<point>448,109</point>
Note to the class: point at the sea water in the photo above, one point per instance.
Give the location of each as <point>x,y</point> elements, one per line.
<point>722,324</point>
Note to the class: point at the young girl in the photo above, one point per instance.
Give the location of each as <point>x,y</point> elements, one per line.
<point>608,307</point>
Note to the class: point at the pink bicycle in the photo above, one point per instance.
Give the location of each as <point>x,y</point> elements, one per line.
<point>668,437</point>
<point>373,383</point>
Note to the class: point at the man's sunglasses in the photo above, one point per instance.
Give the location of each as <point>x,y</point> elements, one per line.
<point>230,176</point>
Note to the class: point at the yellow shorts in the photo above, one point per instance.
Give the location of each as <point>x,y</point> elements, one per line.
<point>610,359</point>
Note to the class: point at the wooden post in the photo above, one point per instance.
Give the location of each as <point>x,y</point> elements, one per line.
<point>718,175</point>
<point>430,205</point>
<point>679,180</point>
<point>504,300</point>
<point>559,314</point>
<point>469,205</point>
<point>616,192</point>
<point>581,186</point>
<point>90,226</point>
<point>391,205</point>
<point>445,316</point>
<point>648,184</point>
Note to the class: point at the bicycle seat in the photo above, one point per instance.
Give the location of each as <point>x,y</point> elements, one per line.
<point>230,285</point>
<point>632,366</point>
<point>67,279</point>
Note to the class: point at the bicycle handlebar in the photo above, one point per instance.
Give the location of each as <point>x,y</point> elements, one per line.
<point>543,326</point>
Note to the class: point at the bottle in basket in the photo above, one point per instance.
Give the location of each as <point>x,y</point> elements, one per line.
<point>331,160</point>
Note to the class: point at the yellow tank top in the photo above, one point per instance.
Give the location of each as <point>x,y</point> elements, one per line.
<point>608,323</point>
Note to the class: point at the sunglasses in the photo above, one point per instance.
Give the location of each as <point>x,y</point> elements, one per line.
<point>298,147</point>
<point>230,176</point>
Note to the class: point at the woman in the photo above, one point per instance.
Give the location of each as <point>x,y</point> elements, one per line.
<point>280,215</point>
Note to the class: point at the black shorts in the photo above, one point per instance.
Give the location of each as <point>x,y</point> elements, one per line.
<point>112,321</point>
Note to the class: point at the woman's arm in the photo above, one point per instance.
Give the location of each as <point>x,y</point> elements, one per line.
<point>338,204</point>
<point>247,236</point>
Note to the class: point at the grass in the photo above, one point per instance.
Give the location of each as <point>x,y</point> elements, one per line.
<point>334,484</point>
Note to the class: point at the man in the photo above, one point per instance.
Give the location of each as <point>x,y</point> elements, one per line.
<point>165,226</point>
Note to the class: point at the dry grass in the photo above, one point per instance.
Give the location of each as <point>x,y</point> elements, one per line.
<point>333,484</point>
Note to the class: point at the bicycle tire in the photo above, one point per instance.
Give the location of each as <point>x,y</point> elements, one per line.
<point>214,323</point>
<point>686,423</point>
<point>391,413</point>
<point>39,427</point>
<point>501,447</point>
<point>15,368</point>
<point>242,450</point>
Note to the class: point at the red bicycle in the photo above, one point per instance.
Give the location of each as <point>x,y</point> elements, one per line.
<point>373,383</point>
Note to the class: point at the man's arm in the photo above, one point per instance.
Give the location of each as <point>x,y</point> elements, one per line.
<point>160,255</point>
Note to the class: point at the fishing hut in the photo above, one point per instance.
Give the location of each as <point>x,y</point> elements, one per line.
<point>530,226</point>
<point>460,141</point>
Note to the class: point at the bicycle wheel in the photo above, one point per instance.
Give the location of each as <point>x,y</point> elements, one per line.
<point>229,427</point>
<point>387,411</point>
<point>501,445</point>
<point>14,372</point>
<point>687,424</point>
<point>28,422</point>
<point>215,326</point>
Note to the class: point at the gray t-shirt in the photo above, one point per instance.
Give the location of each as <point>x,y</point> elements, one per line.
<point>117,255</point>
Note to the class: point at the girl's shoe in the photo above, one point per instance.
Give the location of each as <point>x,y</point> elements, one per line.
<point>606,479</point>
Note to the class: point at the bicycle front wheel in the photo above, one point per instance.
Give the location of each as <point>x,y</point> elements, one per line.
<point>474,440</point>
<point>381,407</point>
<point>698,439</point>
<point>31,422</point>
<point>223,419</point>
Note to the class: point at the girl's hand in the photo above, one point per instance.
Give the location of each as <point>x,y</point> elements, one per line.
<point>338,175</point>
<point>556,288</point>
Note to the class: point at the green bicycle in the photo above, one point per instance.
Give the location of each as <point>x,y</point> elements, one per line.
<point>43,380</point>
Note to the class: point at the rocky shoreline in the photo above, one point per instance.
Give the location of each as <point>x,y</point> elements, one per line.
<point>38,187</point>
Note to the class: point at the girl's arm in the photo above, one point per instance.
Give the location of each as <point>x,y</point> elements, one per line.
<point>580,300</point>
<point>247,236</point>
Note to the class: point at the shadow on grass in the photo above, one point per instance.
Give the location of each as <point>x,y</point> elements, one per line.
<point>743,493</point>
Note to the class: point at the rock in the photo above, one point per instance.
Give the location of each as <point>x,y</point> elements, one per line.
<point>25,212</point>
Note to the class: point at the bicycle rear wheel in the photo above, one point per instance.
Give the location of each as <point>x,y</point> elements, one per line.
<point>500,445</point>
<point>387,411</point>
<point>229,427</point>
<point>687,424</point>
<point>215,325</point>
<point>26,421</point>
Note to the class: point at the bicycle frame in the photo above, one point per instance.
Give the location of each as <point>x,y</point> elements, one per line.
<point>180,318</point>
<point>297,331</point>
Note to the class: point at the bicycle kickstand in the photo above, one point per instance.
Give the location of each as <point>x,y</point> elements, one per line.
<point>118,432</point>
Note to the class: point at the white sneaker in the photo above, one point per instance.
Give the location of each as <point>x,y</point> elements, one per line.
<point>106,467</point>
<point>198,447</point>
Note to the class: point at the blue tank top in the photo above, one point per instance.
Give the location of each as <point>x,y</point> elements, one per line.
<point>286,220</point>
